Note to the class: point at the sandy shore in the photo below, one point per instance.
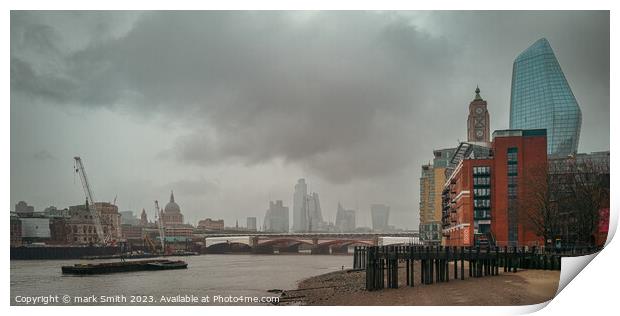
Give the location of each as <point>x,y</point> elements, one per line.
<point>347,288</point>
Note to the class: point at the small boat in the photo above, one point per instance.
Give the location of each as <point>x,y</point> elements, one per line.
<point>124,266</point>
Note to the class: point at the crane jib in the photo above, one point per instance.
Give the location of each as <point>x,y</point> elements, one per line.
<point>90,200</point>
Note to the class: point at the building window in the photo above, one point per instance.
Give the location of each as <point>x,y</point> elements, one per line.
<point>512,171</point>
<point>512,181</point>
<point>482,170</point>
<point>512,156</point>
<point>512,192</point>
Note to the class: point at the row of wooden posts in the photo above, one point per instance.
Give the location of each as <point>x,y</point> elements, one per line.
<point>382,263</point>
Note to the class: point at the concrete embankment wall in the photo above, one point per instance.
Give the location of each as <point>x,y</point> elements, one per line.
<point>30,253</point>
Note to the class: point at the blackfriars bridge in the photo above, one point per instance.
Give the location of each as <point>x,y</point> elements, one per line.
<point>315,243</point>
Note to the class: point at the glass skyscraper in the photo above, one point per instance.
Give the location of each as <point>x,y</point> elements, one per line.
<point>541,98</point>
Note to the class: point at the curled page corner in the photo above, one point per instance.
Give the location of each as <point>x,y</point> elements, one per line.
<point>530,309</point>
<point>571,266</point>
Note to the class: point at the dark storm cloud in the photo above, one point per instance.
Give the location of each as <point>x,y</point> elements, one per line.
<point>334,92</point>
<point>345,94</point>
<point>353,101</point>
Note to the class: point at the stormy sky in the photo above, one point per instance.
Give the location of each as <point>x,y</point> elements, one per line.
<point>229,109</point>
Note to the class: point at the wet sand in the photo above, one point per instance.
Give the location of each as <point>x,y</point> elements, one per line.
<point>524,287</point>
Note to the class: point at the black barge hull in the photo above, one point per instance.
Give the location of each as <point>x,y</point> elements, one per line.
<point>124,266</point>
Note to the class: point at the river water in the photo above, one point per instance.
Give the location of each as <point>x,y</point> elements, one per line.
<point>220,279</point>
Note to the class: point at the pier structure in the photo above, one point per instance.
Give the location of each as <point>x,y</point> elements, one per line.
<point>441,264</point>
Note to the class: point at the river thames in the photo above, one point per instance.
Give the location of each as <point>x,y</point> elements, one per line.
<point>216,277</point>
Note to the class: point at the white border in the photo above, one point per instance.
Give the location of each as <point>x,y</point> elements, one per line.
<point>592,291</point>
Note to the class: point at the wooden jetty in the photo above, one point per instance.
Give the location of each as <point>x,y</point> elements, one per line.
<point>381,263</point>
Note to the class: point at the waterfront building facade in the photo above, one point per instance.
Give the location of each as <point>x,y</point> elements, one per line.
<point>542,99</point>
<point>182,230</point>
<point>16,230</point>
<point>481,197</point>
<point>81,226</point>
<point>431,184</point>
<point>131,232</point>
<point>427,209</point>
<point>110,220</point>
<point>23,208</point>
<point>210,224</point>
<point>35,228</point>
<point>52,211</point>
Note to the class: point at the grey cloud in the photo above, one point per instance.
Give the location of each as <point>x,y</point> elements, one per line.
<point>260,86</point>
<point>194,187</point>
<point>348,99</point>
<point>43,155</point>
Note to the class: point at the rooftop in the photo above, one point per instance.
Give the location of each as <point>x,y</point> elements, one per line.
<point>519,132</point>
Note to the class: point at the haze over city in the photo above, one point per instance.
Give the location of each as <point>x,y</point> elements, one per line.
<point>230,109</point>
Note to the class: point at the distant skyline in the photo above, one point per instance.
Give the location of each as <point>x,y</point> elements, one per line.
<point>230,109</point>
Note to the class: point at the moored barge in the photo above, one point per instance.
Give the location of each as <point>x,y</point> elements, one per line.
<point>124,266</point>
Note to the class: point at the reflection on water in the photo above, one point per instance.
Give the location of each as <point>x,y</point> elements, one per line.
<point>207,275</point>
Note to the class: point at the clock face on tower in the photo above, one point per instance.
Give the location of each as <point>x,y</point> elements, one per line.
<point>478,122</point>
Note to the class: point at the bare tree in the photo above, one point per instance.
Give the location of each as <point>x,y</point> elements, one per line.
<point>588,193</point>
<point>563,200</point>
<point>539,203</point>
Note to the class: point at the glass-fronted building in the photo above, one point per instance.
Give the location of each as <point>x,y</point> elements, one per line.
<point>542,98</point>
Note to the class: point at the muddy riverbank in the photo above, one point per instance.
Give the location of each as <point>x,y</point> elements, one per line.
<point>346,287</point>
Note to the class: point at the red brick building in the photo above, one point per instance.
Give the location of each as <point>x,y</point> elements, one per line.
<point>481,196</point>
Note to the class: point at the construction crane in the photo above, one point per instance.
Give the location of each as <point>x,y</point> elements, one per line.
<point>160,227</point>
<point>90,198</point>
<point>150,243</point>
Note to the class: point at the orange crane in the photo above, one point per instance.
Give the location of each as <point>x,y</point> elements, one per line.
<point>150,243</point>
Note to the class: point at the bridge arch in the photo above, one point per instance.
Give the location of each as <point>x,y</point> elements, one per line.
<point>345,242</point>
<point>290,241</point>
<point>210,241</point>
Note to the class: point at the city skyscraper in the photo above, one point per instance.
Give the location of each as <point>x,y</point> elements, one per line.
<point>542,98</point>
<point>380,214</point>
<point>251,223</point>
<point>276,218</point>
<point>345,219</point>
<point>307,215</point>
<point>300,215</point>
<point>315,216</point>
